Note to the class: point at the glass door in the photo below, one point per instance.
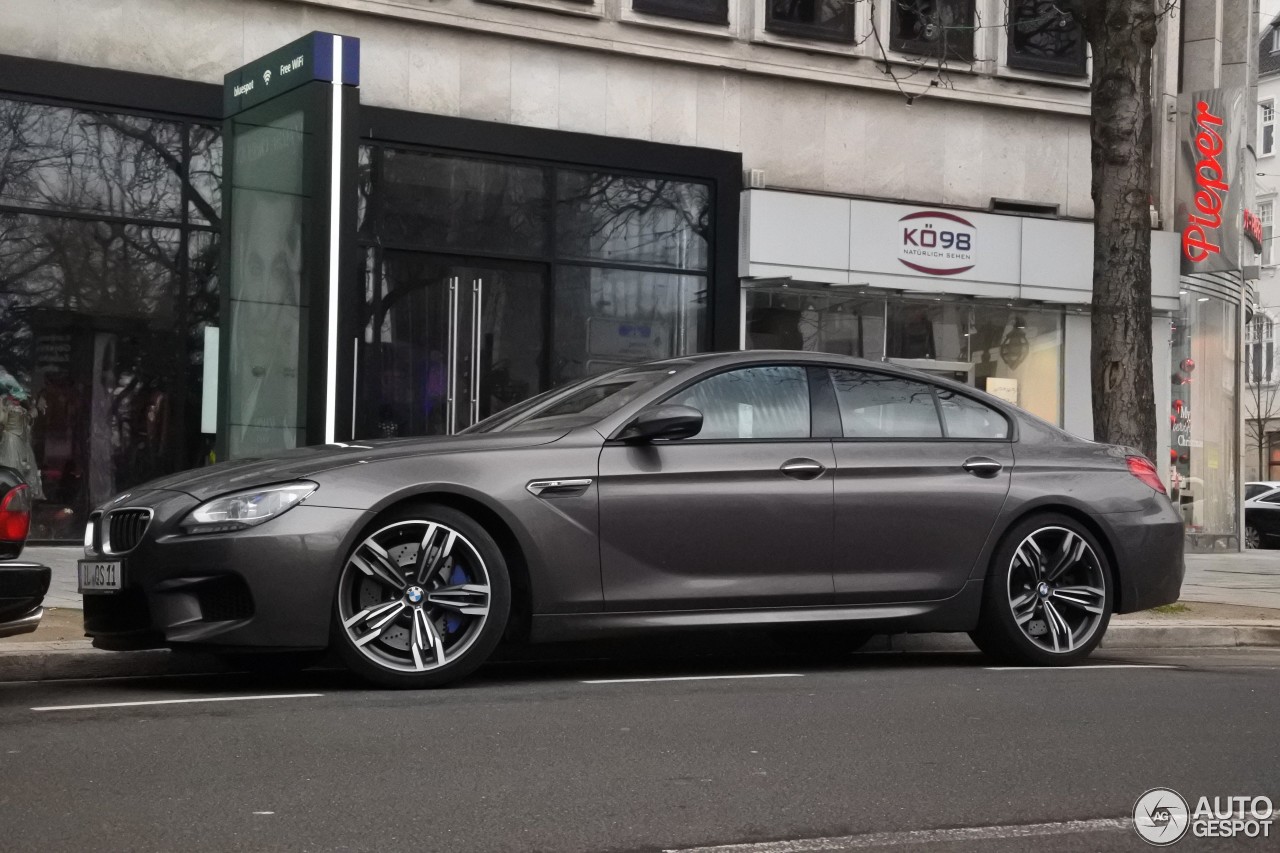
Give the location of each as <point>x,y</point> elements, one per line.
<point>448,342</point>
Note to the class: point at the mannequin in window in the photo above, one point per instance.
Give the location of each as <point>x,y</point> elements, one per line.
<point>17,415</point>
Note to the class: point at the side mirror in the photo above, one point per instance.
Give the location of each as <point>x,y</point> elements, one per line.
<point>670,422</point>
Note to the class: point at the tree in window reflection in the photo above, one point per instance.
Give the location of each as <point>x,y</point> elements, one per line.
<point>1046,31</point>
<point>109,296</point>
<point>651,220</point>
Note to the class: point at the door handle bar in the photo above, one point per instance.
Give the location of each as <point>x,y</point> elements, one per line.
<point>477,307</point>
<point>451,409</point>
<point>803,469</point>
<point>981,466</point>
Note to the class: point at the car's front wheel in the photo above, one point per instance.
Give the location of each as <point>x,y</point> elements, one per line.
<point>1252,538</point>
<point>1048,595</point>
<point>422,600</point>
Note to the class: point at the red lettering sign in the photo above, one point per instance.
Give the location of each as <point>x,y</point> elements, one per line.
<point>1206,216</point>
<point>1253,229</point>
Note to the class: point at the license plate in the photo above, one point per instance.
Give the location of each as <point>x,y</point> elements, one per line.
<point>101,575</point>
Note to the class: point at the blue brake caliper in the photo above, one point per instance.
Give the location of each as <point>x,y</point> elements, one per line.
<point>456,578</point>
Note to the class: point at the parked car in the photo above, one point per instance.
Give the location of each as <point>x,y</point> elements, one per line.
<point>1254,489</point>
<point>1262,518</point>
<point>22,585</point>
<point>750,488</point>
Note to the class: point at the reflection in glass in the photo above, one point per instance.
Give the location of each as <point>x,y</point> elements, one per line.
<point>815,320</point>
<point>928,330</point>
<point>607,318</point>
<point>458,203</point>
<point>58,158</point>
<point>875,405</point>
<point>939,28</point>
<point>623,218</point>
<point>1045,35</point>
<point>1205,436</point>
<point>205,170</point>
<point>266,326</point>
<point>707,11</point>
<point>753,402</point>
<point>828,20</point>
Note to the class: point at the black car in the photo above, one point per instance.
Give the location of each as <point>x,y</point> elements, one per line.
<point>22,585</point>
<point>737,489</point>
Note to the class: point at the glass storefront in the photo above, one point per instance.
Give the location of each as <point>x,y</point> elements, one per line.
<point>488,281</point>
<point>1014,352</point>
<point>1203,418</point>
<point>108,260</point>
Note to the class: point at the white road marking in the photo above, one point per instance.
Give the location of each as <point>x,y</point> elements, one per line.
<point>264,812</point>
<point>692,678</point>
<point>919,836</point>
<point>177,701</point>
<point>1084,666</point>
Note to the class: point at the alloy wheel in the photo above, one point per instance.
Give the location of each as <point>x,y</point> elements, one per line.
<point>1251,538</point>
<point>414,596</point>
<point>1057,589</point>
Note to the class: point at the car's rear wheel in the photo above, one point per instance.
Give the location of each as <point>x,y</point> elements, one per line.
<point>1048,595</point>
<point>422,599</point>
<point>1252,538</point>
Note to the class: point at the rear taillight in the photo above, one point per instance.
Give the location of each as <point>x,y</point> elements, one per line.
<point>15,515</point>
<point>1145,470</point>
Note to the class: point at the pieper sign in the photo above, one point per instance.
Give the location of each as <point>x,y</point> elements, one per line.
<point>937,243</point>
<point>1210,186</point>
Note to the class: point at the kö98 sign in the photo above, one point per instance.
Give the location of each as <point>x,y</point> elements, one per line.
<point>935,242</point>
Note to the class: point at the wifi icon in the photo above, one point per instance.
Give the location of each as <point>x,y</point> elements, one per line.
<point>266,77</point>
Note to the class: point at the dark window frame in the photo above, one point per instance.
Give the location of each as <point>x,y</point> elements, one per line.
<point>683,11</point>
<point>1070,67</point>
<point>847,34</point>
<point>961,50</point>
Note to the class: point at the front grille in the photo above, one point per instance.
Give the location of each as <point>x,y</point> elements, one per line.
<point>125,529</point>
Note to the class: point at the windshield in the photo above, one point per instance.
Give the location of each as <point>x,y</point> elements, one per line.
<point>580,403</point>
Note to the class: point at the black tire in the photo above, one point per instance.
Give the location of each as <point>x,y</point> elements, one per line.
<point>1000,634</point>
<point>376,660</point>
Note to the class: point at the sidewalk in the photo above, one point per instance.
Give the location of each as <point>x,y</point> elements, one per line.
<point>1228,600</point>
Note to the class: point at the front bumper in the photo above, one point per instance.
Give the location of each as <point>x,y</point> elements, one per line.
<point>268,587</point>
<point>22,589</point>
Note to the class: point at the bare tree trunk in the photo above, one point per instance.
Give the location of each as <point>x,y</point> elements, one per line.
<point>1122,34</point>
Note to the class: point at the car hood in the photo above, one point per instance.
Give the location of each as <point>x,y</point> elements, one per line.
<point>204,483</point>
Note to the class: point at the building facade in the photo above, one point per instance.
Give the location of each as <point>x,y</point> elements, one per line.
<point>546,189</point>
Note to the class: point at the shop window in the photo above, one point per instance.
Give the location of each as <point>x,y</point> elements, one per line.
<point>875,405</point>
<point>1046,36</point>
<point>817,319</point>
<point>108,257</point>
<point>824,20</point>
<point>704,11</point>
<point>1260,350</point>
<point>1267,128</point>
<point>1017,356</point>
<point>936,28</point>
<point>751,403</point>
<point>628,219</point>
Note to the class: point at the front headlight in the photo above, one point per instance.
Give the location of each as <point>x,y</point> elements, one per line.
<point>245,509</point>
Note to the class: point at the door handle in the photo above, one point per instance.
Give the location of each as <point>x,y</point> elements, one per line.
<point>981,466</point>
<point>451,408</point>
<point>803,469</point>
<point>477,308</point>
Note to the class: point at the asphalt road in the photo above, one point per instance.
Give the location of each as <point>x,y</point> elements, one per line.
<point>878,751</point>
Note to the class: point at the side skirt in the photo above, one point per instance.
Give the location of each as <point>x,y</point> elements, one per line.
<point>958,613</point>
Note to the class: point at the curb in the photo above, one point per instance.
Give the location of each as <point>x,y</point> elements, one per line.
<point>45,662</point>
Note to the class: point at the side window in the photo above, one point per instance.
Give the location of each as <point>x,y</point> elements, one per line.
<point>753,402</point>
<point>1251,492</point>
<point>873,405</point>
<point>967,418</point>
<point>1273,498</point>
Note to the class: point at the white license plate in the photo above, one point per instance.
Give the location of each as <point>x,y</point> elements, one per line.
<point>101,575</point>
